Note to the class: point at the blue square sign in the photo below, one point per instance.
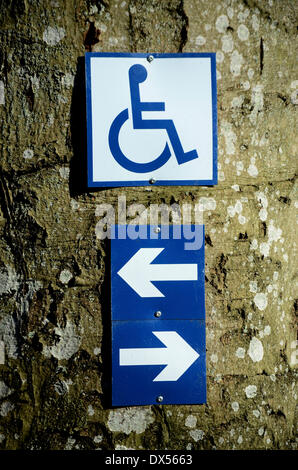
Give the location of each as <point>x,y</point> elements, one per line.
<point>151,119</point>
<point>159,274</point>
<point>158,361</point>
<point>158,316</point>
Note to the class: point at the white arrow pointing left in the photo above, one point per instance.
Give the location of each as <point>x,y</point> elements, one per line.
<point>139,271</point>
<point>178,356</point>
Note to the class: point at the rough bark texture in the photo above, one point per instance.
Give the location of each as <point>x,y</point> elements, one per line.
<point>55,312</point>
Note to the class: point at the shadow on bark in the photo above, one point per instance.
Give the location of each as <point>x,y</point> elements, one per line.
<point>106,345</point>
<point>78,186</point>
<point>78,163</point>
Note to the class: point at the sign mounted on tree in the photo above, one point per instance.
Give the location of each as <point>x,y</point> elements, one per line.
<point>158,319</point>
<point>151,119</point>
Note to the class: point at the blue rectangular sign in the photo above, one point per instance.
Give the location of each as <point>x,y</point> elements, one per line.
<point>158,362</point>
<point>158,315</point>
<point>159,274</point>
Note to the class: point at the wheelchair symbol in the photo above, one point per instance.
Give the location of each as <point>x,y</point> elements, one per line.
<point>138,74</point>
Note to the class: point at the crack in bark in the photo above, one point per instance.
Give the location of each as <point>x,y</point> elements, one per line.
<point>261,56</point>
<point>91,37</point>
<point>184,29</point>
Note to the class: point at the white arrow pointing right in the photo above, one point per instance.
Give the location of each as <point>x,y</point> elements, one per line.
<point>178,356</point>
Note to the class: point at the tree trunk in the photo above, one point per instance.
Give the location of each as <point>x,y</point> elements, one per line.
<point>54,270</point>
